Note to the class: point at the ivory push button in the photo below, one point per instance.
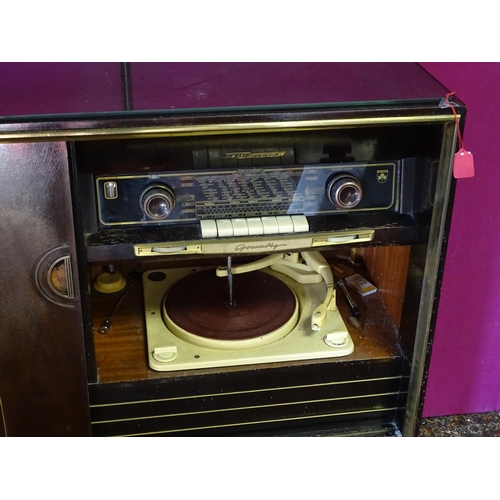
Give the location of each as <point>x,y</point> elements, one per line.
<point>270,225</point>
<point>224,227</point>
<point>240,227</point>
<point>208,228</point>
<point>255,226</point>
<point>300,224</point>
<point>285,224</point>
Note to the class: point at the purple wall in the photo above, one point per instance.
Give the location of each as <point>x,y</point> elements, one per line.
<point>205,85</point>
<point>49,88</point>
<point>465,365</point>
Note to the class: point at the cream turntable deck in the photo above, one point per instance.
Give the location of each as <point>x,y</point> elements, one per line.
<point>280,308</point>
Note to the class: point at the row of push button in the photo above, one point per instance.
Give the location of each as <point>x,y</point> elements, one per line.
<point>253,226</point>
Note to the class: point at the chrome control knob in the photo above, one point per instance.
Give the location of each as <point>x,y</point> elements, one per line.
<point>157,202</point>
<point>344,191</point>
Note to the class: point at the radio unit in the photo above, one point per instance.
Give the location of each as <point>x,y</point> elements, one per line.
<point>221,194</point>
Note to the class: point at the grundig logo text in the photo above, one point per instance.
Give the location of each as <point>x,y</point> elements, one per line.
<point>241,247</point>
<point>240,155</point>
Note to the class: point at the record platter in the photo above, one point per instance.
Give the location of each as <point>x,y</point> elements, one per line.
<point>279,308</point>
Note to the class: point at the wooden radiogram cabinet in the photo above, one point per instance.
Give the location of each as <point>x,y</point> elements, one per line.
<point>60,377</point>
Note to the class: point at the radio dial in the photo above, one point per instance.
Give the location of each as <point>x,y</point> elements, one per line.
<point>344,191</point>
<point>157,202</point>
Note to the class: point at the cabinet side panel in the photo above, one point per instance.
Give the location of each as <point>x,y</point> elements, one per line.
<point>42,363</point>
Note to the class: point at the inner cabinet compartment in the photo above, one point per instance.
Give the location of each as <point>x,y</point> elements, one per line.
<point>367,195</point>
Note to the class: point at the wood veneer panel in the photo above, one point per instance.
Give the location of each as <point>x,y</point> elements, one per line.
<point>387,268</point>
<point>43,382</point>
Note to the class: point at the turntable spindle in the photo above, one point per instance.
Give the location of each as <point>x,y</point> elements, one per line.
<point>230,301</point>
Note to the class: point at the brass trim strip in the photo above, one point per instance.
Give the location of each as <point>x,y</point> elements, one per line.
<point>216,129</point>
<point>252,391</point>
<point>307,417</point>
<point>242,408</point>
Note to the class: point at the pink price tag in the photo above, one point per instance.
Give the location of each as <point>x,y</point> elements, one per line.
<point>463,165</point>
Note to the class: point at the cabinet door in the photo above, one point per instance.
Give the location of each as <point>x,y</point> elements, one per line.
<point>43,385</point>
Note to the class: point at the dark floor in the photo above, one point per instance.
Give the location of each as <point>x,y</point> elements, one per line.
<point>471,425</point>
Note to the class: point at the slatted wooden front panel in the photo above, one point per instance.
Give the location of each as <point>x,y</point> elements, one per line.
<point>250,401</point>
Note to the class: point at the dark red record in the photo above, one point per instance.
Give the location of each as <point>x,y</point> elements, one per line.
<point>198,304</point>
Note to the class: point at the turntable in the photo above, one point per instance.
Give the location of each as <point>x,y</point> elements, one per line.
<point>279,308</point>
